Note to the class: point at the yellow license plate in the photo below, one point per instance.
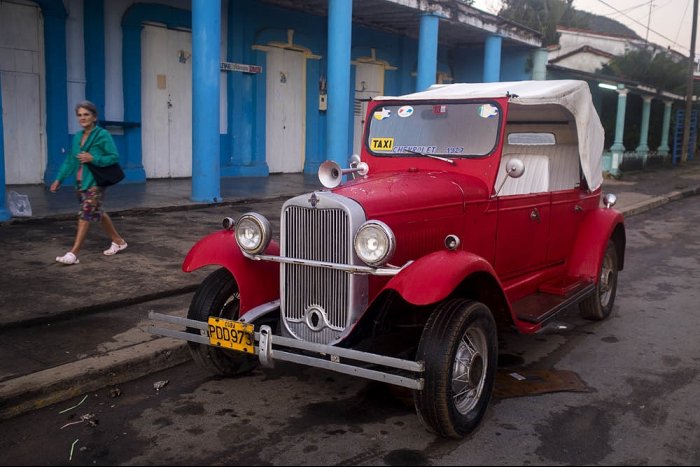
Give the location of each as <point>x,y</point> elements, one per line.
<point>231,334</point>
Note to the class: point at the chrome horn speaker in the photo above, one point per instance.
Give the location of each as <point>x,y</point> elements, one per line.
<point>331,174</point>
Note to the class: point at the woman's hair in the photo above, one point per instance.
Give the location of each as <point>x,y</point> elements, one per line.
<point>87,105</point>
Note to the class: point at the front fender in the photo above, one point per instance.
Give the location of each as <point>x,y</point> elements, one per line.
<point>258,281</point>
<point>599,226</point>
<point>434,277</point>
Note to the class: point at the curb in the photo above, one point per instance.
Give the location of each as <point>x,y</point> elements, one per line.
<point>657,201</point>
<point>64,315</point>
<point>141,211</point>
<point>64,382</point>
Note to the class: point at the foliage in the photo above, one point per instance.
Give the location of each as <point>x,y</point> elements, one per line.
<point>543,16</point>
<point>658,70</point>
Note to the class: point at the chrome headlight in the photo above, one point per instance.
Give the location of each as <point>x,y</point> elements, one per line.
<point>375,243</point>
<point>253,233</point>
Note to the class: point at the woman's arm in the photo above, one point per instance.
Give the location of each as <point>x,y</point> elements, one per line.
<point>70,163</point>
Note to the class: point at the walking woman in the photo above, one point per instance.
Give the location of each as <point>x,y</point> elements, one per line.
<point>93,144</point>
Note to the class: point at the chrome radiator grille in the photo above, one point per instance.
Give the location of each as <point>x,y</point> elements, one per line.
<point>317,303</point>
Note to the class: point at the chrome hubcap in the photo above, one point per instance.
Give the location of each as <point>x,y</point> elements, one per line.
<point>469,370</point>
<point>607,281</point>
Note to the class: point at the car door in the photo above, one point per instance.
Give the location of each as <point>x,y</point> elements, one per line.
<point>522,233</point>
<point>524,213</point>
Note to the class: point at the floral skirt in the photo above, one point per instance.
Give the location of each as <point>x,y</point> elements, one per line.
<point>90,203</point>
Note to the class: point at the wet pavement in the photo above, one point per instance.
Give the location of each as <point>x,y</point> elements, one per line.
<point>161,223</point>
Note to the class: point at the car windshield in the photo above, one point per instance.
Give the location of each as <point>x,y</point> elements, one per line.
<point>456,129</point>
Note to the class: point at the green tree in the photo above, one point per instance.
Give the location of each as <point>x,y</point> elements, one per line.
<point>543,16</point>
<point>658,70</point>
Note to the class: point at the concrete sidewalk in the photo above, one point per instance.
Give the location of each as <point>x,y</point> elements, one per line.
<point>160,223</point>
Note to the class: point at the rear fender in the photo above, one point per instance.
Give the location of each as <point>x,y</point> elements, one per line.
<point>258,281</point>
<point>599,226</point>
<point>434,277</point>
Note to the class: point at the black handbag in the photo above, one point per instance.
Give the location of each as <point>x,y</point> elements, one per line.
<point>108,175</point>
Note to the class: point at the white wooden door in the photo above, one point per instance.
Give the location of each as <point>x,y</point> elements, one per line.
<point>285,110</point>
<point>166,102</point>
<point>21,74</point>
<point>369,82</point>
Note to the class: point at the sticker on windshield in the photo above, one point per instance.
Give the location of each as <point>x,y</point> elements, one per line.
<point>488,111</point>
<point>405,111</point>
<point>381,144</point>
<point>382,114</point>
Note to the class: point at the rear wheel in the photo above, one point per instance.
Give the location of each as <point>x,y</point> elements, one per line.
<point>218,296</point>
<point>599,305</point>
<point>459,347</point>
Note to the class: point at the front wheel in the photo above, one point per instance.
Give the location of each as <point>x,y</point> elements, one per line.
<point>599,305</point>
<point>218,296</point>
<point>459,348</point>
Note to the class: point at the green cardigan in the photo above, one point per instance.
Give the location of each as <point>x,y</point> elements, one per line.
<point>102,148</point>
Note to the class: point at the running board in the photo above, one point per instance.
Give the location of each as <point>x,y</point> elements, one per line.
<point>540,307</point>
<point>269,347</point>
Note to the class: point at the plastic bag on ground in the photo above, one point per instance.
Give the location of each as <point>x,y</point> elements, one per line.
<point>18,204</point>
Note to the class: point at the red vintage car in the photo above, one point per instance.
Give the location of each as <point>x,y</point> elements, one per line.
<point>472,208</point>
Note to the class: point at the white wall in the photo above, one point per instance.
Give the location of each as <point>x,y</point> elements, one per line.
<point>75,58</point>
<point>114,98</point>
<point>572,40</point>
<point>583,61</point>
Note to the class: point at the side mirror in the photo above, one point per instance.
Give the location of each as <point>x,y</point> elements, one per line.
<point>609,200</point>
<point>515,168</point>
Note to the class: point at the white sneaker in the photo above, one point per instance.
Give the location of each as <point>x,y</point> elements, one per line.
<point>114,248</point>
<point>68,258</point>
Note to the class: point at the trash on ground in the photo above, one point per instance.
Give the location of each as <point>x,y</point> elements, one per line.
<point>19,204</point>
<point>72,446</point>
<point>83,418</point>
<point>158,385</point>
<point>115,392</point>
<point>76,405</point>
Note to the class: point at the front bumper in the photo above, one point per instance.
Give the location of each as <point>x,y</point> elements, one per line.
<point>269,347</point>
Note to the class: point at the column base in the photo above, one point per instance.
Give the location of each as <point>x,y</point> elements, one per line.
<point>5,215</point>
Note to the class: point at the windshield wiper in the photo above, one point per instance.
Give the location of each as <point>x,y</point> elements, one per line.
<point>432,156</point>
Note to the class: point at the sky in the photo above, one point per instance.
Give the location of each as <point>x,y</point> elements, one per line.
<point>669,23</point>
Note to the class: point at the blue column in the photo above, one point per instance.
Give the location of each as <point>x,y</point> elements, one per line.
<point>406,80</point>
<point>427,51</point>
<point>339,45</point>
<point>617,148</point>
<point>4,213</point>
<point>206,59</point>
<point>492,59</point>
<point>56,91</point>
<point>643,148</point>
<point>664,148</point>
<point>539,64</point>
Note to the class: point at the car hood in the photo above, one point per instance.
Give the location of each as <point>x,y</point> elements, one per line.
<point>391,193</point>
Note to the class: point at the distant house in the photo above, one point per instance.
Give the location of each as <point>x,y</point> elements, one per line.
<point>583,50</point>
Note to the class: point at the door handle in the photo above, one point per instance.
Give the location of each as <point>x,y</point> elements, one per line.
<point>535,215</point>
<point>578,208</point>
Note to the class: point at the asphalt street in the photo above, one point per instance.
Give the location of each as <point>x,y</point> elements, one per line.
<point>38,296</point>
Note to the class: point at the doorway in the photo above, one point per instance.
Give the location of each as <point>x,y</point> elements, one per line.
<point>22,78</point>
<point>285,110</point>
<point>166,102</point>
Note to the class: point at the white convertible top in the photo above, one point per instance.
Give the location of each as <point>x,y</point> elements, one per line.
<point>573,95</point>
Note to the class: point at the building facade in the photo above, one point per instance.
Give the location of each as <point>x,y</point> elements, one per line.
<point>284,90</point>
